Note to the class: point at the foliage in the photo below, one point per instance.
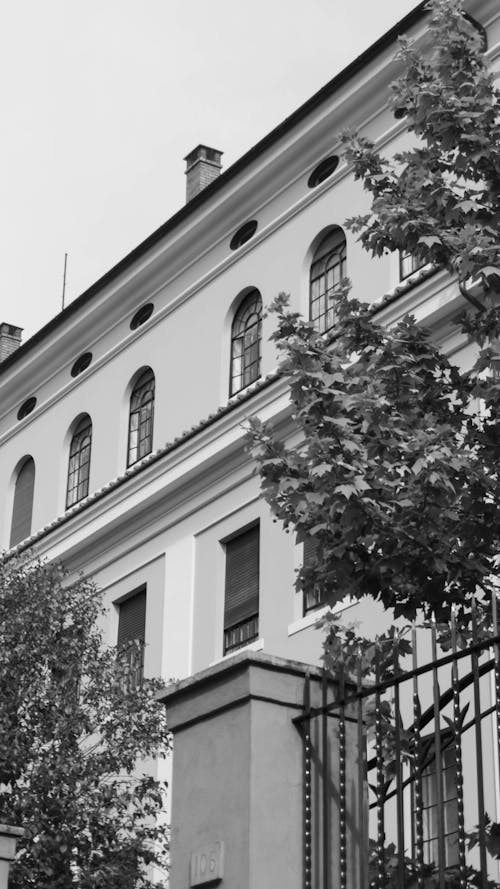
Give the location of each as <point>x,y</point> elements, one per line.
<point>72,729</point>
<point>396,476</point>
<point>393,471</point>
<point>439,200</point>
<point>416,876</point>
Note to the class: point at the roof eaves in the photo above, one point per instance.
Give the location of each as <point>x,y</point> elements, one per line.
<point>391,296</point>
<point>218,184</point>
<point>141,465</point>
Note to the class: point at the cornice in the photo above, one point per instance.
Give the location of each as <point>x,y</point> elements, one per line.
<point>135,273</point>
<point>309,197</point>
<point>225,200</point>
<point>429,294</point>
<point>199,447</point>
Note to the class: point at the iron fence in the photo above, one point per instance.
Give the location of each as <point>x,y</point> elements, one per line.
<point>401,777</point>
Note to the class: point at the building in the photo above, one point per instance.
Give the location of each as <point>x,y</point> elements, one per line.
<point>122,420</point>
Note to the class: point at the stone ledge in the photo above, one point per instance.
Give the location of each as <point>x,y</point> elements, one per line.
<point>235,682</point>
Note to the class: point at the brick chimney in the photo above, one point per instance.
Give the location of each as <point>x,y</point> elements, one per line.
<point>203,165</point>
<point>10,339</point>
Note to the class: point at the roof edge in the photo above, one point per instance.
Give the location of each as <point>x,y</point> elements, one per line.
<point>218,184</point>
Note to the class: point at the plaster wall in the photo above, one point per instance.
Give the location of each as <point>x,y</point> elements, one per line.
<point>191,375</point>
<point>165,535</point>
<point>238,768</point>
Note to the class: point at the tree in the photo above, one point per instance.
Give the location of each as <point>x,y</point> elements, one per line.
<point>74,729</point>
<point>396,479</point>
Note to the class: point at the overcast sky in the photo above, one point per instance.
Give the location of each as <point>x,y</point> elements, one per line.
<point>102,99</point>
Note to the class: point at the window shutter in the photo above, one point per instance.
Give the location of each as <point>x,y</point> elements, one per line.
<point>23,502</point>
<point>242,577</point>
<point>132,619</point>
<point>312,597</point>
<point>310,547</point>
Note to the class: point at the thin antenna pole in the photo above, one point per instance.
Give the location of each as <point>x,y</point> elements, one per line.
<point>64,280</point>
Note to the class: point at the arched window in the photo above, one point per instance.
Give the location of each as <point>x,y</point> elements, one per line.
<point>140,430</point>
<point>246,335</point>
<point>22,509</point>
<point>328,267</point>
<point>79,462</point>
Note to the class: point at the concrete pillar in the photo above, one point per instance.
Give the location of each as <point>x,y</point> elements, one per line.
<point>8,839</point>
<point>237,787</point>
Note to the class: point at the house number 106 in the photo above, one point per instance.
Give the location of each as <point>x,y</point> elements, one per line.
<point>207,864</point>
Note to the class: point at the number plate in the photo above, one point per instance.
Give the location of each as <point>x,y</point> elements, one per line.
<point>207,864</point>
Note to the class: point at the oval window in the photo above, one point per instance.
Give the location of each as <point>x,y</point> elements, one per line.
<point>81,364</point>
<point>141,316</point>
<point>26,407</point>
<point>243,234</point>
<point>323,170</point>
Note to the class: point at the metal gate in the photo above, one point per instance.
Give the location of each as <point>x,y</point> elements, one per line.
<point>401,778</point>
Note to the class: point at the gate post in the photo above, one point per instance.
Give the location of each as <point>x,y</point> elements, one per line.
<point>8,839</point>
<point>238,784</point>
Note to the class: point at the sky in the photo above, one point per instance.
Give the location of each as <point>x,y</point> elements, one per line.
<point>101,100</point>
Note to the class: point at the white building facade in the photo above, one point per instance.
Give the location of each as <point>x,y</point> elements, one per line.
<point>122,421</point>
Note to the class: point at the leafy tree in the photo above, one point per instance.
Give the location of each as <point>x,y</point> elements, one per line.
<point>73,728</point>
<point>396,479</point>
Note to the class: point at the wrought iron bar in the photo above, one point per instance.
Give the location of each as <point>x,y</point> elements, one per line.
<point>457,729</point>
<point>363,832</point>
<point>426,761</point>
<point>479,753</point>
<point>399,788</point>
<point>496,650</point>
<point>307,788</point>
<point>421,758</point>
<point>386,684</point>
<point>439,765</point>
<point>445,699</point>
<point>417,769</point>
<point>380,884</point>
<point>325,796</point>
<point>342,784</point>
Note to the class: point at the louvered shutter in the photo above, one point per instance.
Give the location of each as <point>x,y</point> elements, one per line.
<point>310,547</point>
<point>312,597</point>
<point>242,577</point>
<point>132,619</point>
<point>22,509</point>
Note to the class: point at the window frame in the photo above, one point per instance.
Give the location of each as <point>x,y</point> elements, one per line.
<point>81,364</point>
<point>323,170</point>
<point>243,234</point>
<point>246,343</point>
<point>428,779</point>
<point>25,465</point>
<point>309,550</point>
<point>131,650</point>
<point>412,261</point>
<point>145,383</point>
<point>80,453</point>
<point>239,633</point>
<point>27,407</point>
<point>329,255</point>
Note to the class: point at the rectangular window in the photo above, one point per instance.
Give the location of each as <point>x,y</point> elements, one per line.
<point>408,263</point>
<point>313,598</point>
<point>430,804</point>
<point>241,603</point>
<point>131,635</point>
